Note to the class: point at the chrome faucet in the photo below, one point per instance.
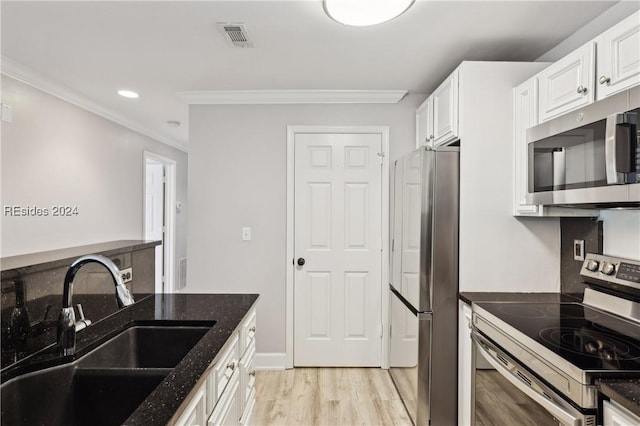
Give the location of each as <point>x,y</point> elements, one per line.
<point>67,325</point>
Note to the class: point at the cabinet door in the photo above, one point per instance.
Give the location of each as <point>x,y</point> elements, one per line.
<point>227,411</point>
<point>614,415</point>
<point>445,111</point>
<point>424,123</point>
<point>465,364</point>
<point>196,412</point>
<point>568,83</point>
<point>525,115</point>
<point>618,53</point>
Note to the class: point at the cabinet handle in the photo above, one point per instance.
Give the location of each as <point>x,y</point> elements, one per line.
<point>605,80</point>
<point>253,373</point>
<point>232,365</point>
<point>253,329</point>
<point>430,137</point>
<point>582,90</point>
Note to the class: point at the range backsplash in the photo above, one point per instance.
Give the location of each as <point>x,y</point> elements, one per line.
<point>587,229</point>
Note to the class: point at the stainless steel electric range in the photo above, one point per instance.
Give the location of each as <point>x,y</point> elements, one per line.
<point>553,352</point>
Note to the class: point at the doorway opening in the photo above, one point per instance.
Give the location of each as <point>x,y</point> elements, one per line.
<point>159,216</point>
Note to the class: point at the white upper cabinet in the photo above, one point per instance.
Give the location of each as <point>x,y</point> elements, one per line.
<point>568,83</point>
<point>424,123</point>
<point>618,57</point>
<point>445,110</point>
<point>525,115</point>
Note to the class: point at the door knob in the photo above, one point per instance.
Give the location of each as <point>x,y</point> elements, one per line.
<point>300,261</point>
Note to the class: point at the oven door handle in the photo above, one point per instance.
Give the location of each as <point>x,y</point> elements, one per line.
<point>558,412</point>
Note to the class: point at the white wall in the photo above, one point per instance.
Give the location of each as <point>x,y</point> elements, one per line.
<point>237,175</point>
<point>498,252</point>
<point>57,153</point>
<point>621,233</point>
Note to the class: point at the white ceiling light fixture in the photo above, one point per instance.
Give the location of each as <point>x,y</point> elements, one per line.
<point>361,13</point>
<point>128,94</point>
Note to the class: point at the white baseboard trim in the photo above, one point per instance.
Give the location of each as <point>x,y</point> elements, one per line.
<point>270,361</point>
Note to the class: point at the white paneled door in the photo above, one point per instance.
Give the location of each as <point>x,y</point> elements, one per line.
<point>338,242</point>
<point>154,214</point>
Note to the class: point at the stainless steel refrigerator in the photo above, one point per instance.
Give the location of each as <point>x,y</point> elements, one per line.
<point>424,284</point>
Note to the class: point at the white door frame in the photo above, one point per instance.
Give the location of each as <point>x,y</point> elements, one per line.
<point>383,131</point>
<point>169,216</point>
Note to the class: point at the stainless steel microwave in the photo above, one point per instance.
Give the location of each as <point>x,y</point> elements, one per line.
<point>588,158</point>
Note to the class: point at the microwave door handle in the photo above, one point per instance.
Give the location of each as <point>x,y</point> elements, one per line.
<point>558,412</point>
<point>614,175</point>
<point>610,146</point>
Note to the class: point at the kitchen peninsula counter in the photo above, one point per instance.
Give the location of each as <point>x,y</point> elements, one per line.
<point>226,310</point>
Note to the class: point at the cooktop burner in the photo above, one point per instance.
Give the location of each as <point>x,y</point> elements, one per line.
<point>589,339</point>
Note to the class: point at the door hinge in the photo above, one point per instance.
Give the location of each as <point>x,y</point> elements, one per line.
<point>381,155</point>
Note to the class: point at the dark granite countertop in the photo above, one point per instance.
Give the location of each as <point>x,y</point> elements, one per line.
<point>63,257</point>
<point>469,297</point>
<point>625,392</point>
<point>227,310</point>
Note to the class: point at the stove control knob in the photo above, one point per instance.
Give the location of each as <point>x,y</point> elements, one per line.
<point>592,265</point>
<point>608,268</point>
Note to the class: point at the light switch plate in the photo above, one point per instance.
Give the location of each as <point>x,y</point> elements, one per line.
<point>578,249</point>
<point>246,234</point>
<point>7,113</point>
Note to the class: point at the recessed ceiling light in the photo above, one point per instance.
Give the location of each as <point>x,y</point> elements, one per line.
<point>128,94</point>
<point>361,13</point>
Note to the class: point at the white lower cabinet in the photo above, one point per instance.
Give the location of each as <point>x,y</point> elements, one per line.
<point>227,410</point>
<point>196,412</point>
<point>226,393</point>
<point>616,415</point>
<point>465,364</point>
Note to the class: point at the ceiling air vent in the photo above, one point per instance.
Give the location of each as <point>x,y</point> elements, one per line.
<point>236,34</point>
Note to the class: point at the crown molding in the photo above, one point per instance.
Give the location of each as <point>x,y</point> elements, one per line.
<point>28,76</point>
<point>231,97</point>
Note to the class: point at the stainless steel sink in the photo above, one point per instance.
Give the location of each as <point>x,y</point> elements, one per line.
<point>105,386</point>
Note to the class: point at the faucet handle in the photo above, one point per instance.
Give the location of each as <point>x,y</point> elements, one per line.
<point>82,322</point>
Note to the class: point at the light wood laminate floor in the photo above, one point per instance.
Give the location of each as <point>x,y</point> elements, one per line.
<point>327,396</point>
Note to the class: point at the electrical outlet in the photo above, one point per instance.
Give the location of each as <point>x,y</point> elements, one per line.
<point>578,249</point>
<point>126,274</point>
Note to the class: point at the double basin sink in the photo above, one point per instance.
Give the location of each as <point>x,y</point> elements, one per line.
<point>103,387</point>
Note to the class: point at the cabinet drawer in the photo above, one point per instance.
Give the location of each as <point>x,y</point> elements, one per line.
<point>222,371</point>
<point>247,331</point>
<point>247,373</point>
<point>227,410</point>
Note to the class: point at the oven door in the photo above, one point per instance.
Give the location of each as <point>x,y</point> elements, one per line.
<point>504,392</point>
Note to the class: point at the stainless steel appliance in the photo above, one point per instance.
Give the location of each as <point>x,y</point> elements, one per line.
<point>424,284</point>
<point>551,353</point>
<point>588,158</point>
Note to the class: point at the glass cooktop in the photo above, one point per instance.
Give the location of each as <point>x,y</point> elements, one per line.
<point>588,338</point>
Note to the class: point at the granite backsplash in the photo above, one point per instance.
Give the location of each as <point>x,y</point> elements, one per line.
<point>36,280</point>
<point>577,228</point>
